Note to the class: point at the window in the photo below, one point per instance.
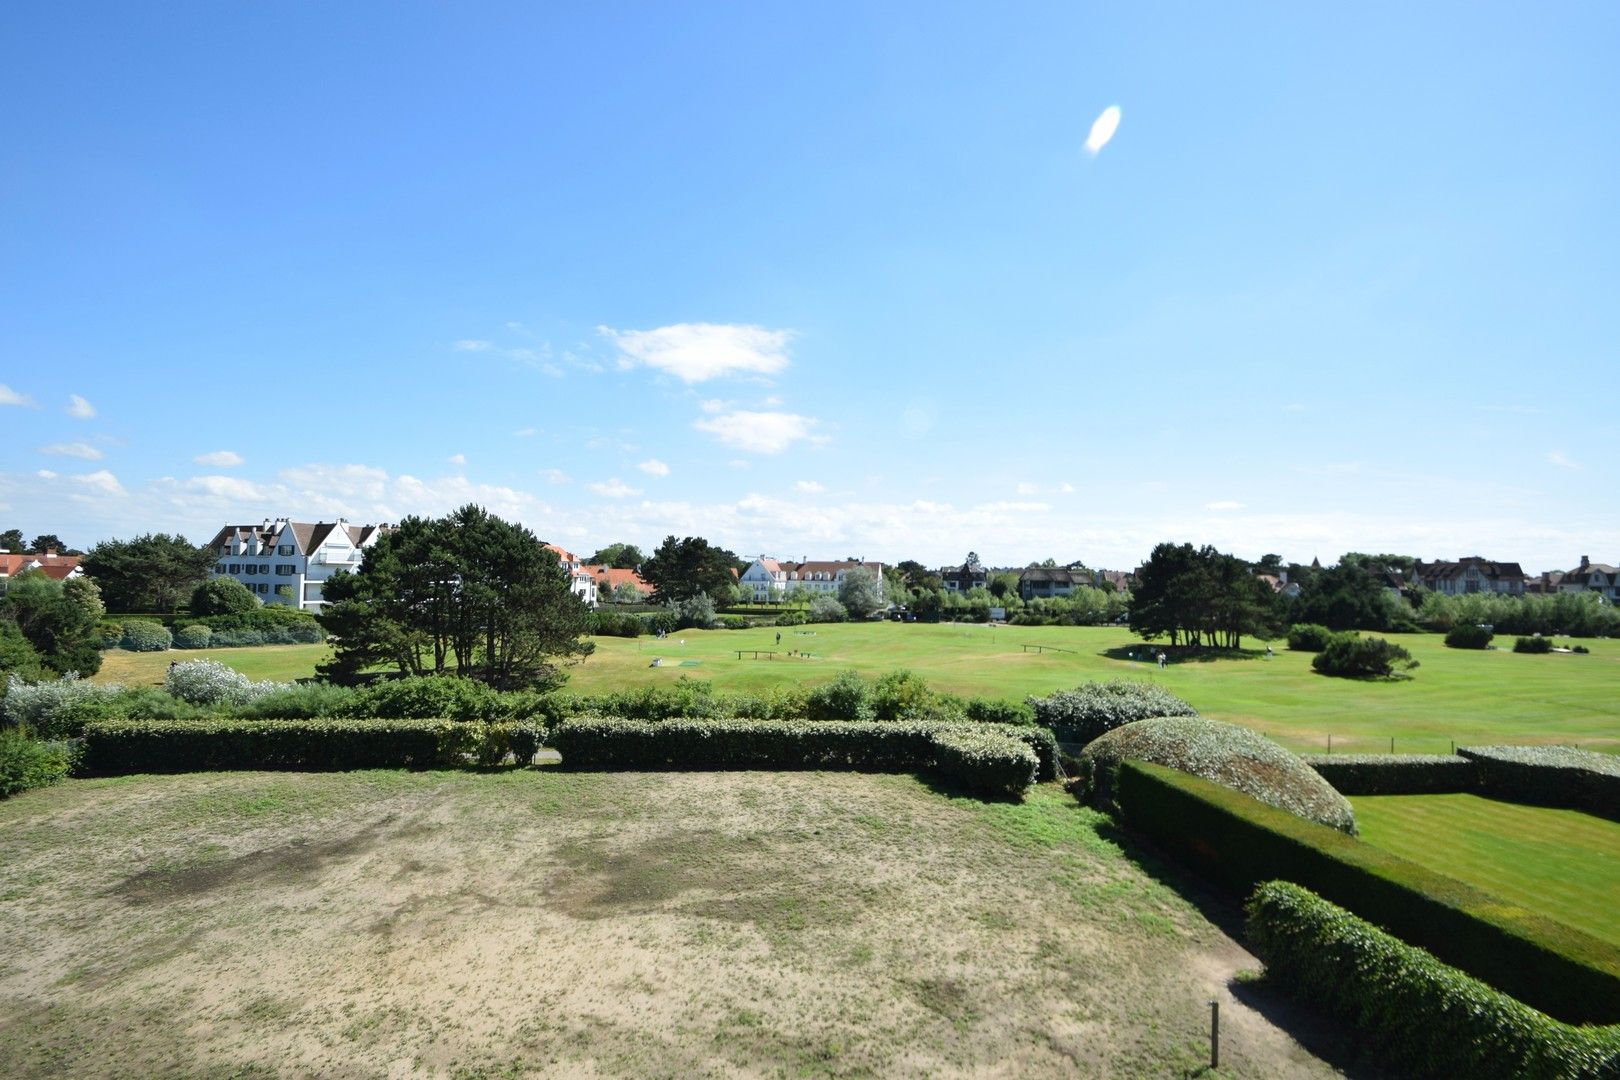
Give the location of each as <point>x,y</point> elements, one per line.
<point>286,569</point>
<point>236,568</point>
<point>219,568</point>
<point>284,549</point>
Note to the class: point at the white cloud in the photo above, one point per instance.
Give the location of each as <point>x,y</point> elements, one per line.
<point>471,345</point>
<point>220,459</point>
<point>1066,488</point>
<point>614,489</point>
<point>78,408</point>
<point>73,449</point>
<point>101,482</point>
<point>1559,458</point>
<point>524,433</point>
<point>457,459</point>
<point>1102,129</point>
<point>654,467</point>
<point>1027,488</point>
<point>810,486</point>
<point>760,432</point>
<point>714,405</point>
<point>697,352</point>
<point>556,476</point>
<point>45,474</point>
<point>1221,505</point>
<point>227,487</point>
<point>8,396</point>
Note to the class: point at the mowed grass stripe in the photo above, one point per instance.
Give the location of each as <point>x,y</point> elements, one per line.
<point>1562,863</point>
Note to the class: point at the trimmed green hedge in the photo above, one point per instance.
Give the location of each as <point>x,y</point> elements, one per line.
<point>1419,1014</point>
<point>1537,644</point>
<point>30,763</point>
<point>864,746</point>
<point>1240,842</point>
<point>1395,774</point>
<point>115,747</point>
<point>1550,776</point>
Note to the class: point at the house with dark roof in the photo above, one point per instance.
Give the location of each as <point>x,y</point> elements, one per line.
<point>970,575</point>
<point>1037,582</point>
<point>1470,574</point>
<point>1590,576</point>
<point>54,566</point>
<point>289,562</point>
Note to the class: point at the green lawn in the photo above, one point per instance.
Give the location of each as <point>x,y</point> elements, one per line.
<point>1563,863</point>
<point>1461,695</point>
<point>279,662</point>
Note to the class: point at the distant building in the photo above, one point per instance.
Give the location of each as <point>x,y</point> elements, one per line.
<point>580,580</point>
<point>963,578</point>
<point>772,579</point>
<point>1545,583</point>
<point>1122,580</point>
<point>610,578</point>
<point>54,566</point>
<point>1600,578</point>
<point>1040,582</point>
<point>289,562</point>
<point>1470,574</point>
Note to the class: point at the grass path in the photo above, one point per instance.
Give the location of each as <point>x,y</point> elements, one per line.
<point>1456,695</point>
<point>1560,862</point>
<point>648,925</point>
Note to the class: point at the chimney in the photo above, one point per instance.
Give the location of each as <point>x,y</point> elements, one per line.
<point>1585,562</point>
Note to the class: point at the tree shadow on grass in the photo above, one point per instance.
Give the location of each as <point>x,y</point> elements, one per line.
<point>1321,1035</point>
<point>1147,654</point>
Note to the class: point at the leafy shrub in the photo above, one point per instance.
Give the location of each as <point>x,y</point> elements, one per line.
<point>209,682</point>
<point>117,747</point>
<point>195,636</point>
<point>899,695</point>
<point>56,709</point>
<point>222,596</point>
<point>615,624</point>
<point>1550,776</point>
<point>659,621</point>
<point>1468,636</point>
<point>695,612</point>
<point>995,711</point>
<point>984,760</point>
<point>686,697</point>
<point>306,633</point>
<point>1532,645</point>
<point>30,763</point>
<point>109,633</point>
<point>787,702</point>
<point>236,639</point>
<point>1090,709</point>
<point>1582,649</point>
<point>1421,1015</point>
<point>1352,656</point>
<point>151,703</point>
<point>1226,754</point>
<point>846,697</point>
<point>1239,842</point>
<point>143,636</point>
<point>1040,742</point>
<point>427,697</point>
<point>300,701</point>
<point>605,743</point>
<point>1395,774</point>
<point>791,618</point>
<point>824,607</point>
<point>525,740</point>
<point>1309,637</point>
<point>732,622</point>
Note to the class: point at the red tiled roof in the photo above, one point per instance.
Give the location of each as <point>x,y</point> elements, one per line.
<point>608,578</point>
<point>56,567</point>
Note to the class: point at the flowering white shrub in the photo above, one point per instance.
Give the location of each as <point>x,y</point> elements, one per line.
<point>209,682</point>
<point>57,708</point>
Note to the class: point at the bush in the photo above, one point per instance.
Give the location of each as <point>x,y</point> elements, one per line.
<point>846,697</point>
<point>995,711</point>
<point>209,682</point>
<point>791,618</point>
<point>732,622</point>
<point>195,636</point>
<point>615,624</point>
<point>300,701</point>
<point>222,596</point>
<point>1309,637</point>
<point>56,709</point>
<point>143,636</point>
<point>658,622</point>
<point>1549,776</point>
<point>1582,649</point>
<point>1229,755</point>
<point>1355,657</point>
<point>1395,774</point>
<point>1090,709</point>
<point>824,607</point>
<point>1532,645</point>
<point>427,697</point>
<point>899,695</point>
<point>1421,1015</point>
<point>686,697</point>
<point>117,747</point>
<point>984,760</point>
<point>981,760</point>
<point>695,612</point>
<point>109,633</point>
<point>1468,636</point>
<point>236,639</point>
<point>30,763</point>
<point>1239,842</point>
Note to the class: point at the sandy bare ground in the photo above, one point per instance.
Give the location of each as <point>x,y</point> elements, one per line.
<point>542,923</point>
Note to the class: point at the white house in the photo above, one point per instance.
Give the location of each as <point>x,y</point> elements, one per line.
<point>772,579</point>
<point>1600,578</point>
<point>1470,574</point>
<point>288,562</point>
<point>581,582</point>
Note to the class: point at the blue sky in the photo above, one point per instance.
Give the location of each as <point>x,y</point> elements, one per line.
<point>819,279</point>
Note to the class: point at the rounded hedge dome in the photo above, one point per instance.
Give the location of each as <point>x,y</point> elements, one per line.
<point>1226,754</point>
